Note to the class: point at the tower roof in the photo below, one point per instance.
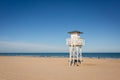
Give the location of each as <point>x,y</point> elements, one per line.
<point>72,32</point>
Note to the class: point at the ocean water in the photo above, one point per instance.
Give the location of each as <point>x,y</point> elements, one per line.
<point>90,55</point>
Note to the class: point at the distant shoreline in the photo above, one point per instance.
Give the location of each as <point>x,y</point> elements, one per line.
<point>66,55</point>
<point>61,57</point>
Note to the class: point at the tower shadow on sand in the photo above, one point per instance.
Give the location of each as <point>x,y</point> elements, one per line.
<point>75,62</point>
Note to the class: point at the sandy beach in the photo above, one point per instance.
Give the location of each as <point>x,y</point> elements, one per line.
<point>39,68</point>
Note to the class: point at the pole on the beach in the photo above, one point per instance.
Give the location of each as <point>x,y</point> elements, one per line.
<point>75,44</point>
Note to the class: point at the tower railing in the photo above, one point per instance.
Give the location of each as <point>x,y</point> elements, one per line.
<point>75,42</point>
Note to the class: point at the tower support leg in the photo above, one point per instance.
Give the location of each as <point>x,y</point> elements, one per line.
<point>70,55</point>
<point>80,54</point>
<point>75,55</point>
<point>73,60</point>
<point>77,49</point>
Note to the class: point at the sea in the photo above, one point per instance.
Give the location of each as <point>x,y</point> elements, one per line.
<point>86,55</point>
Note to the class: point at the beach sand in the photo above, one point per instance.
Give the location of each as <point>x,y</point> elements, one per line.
<point>39,68</point>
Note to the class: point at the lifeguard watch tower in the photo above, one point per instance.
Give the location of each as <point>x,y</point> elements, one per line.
<point>75,44</point>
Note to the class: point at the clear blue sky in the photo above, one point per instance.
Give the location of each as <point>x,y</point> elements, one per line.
<point>42,25</point>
